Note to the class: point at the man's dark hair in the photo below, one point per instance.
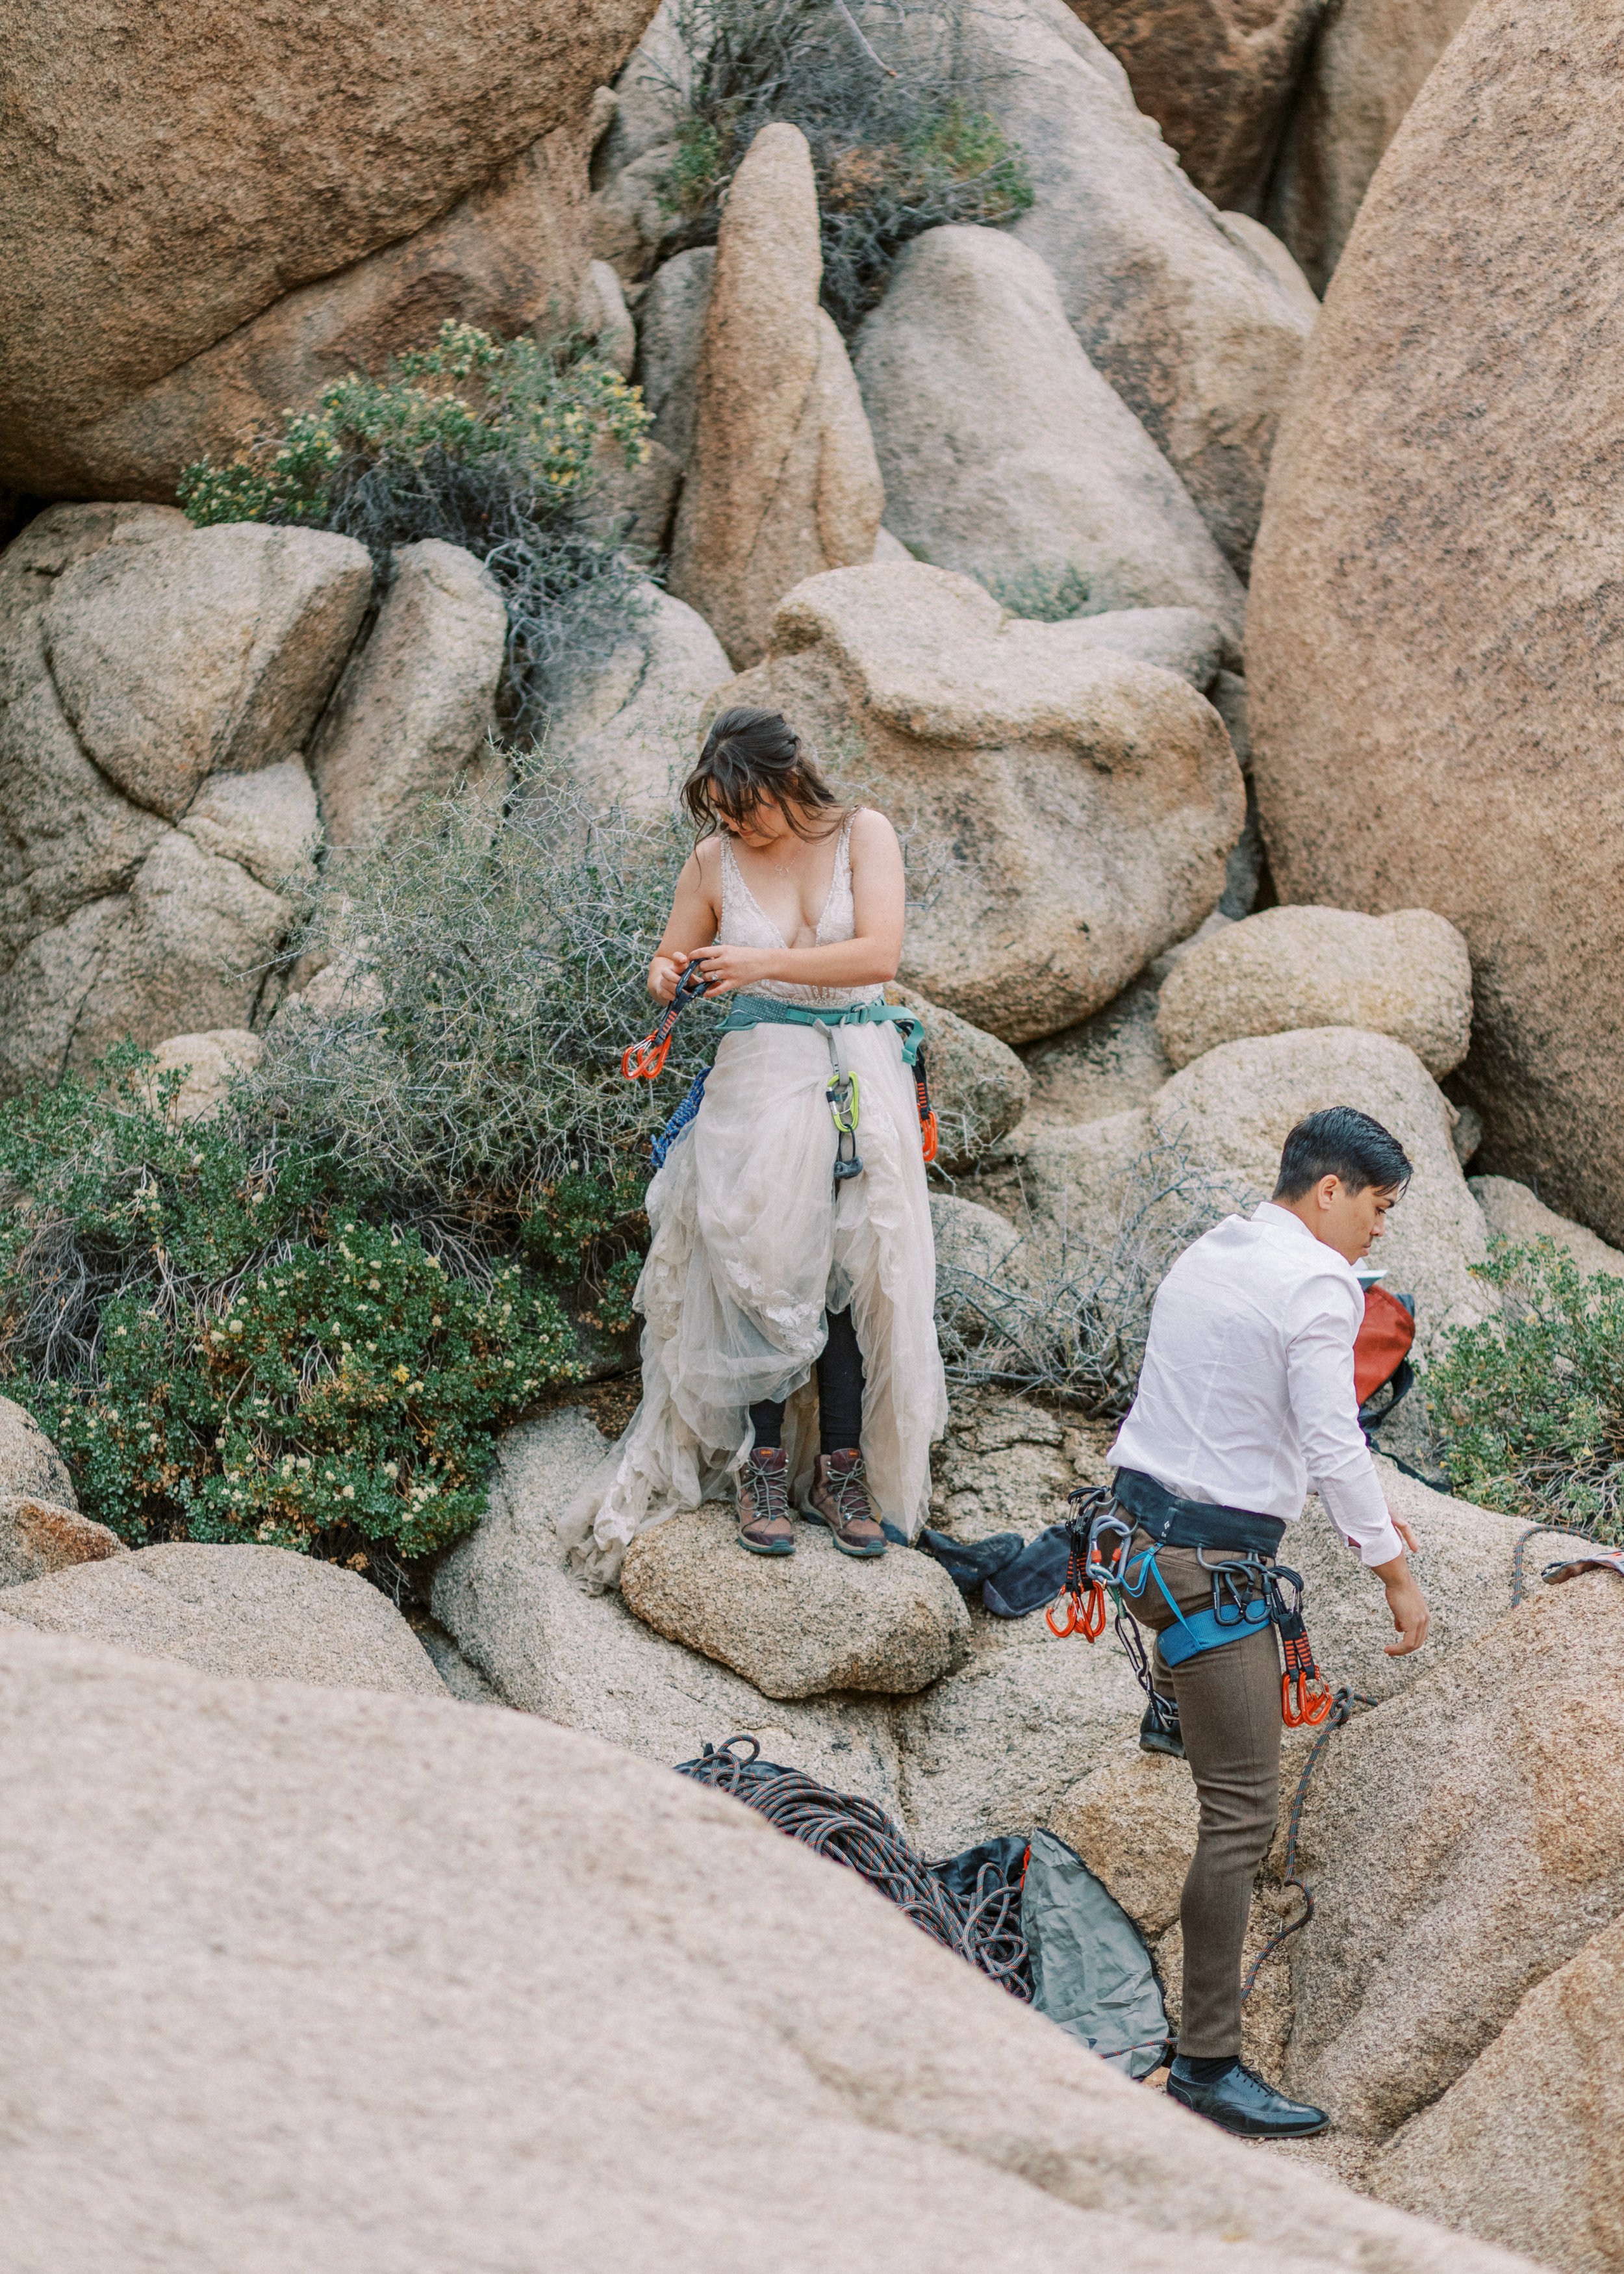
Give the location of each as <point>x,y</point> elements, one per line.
<point>1342,1142</point>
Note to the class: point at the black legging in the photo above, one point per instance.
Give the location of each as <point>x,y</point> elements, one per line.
<point>840,1395</point>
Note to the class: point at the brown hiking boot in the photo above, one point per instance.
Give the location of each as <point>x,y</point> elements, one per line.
<point>764,1527</point>
<point>840,1500</point>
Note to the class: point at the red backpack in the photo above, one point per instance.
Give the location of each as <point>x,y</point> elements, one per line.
<point>1381,1354</point>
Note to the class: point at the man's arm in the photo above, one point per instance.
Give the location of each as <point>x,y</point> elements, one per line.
<point>1325,1407</point>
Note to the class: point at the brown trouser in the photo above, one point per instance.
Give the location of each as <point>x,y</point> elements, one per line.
<point>1229,1710</point>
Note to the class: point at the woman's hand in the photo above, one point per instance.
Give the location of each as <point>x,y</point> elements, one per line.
<point>726,968</point>
<point>666,975</point>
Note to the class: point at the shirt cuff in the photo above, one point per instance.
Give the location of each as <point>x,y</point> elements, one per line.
<point>1359,1509</point>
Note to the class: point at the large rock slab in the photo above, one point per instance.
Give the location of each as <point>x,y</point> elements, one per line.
<point>548,1646</point>
<point>799,1625</point>
<point>207,1064</point>
<point>395,122</point>
<point>319,1900</point>
<point>1463,1842</point>
<point>1216,77</point>
<point>212,652</point>
<point>1090,799</point>
<point>416,704</point>
<point>1233,1107</point>
<point>29,1462</point>
<point>268,821</point>
<point>1003,450</point>
<point>38,1538</point>
<point>1190,323</point>
<point>626,726</point>
<point>1366,67</point>
<point>1408,976</point>
<point>1436,607</point>
<point>249,1611</point>
<point>782,482</point>
<point>1109,1064</point>
<point>671,331</point>
<point>1522,2149</point>
<point>1519,1216</point>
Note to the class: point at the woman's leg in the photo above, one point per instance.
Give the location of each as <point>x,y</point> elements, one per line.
<point>767,1420</point>
<point>840,1388</point>
<point>839,1495</point>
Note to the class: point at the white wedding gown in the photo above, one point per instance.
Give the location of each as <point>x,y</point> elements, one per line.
<point>752,1245</point>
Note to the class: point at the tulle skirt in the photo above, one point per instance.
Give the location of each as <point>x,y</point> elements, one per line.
<point>752,1245</point>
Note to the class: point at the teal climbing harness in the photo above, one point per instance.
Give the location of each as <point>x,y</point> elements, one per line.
<point>1249,1590</point>
<point>843,1092</point>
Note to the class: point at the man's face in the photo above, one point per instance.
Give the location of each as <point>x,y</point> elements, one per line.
<point>1350,1218</point>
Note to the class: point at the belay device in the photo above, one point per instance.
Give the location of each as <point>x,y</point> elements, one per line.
<point>1248,1592</point>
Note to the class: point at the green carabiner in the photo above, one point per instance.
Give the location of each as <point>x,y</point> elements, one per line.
<point>844,1103</point>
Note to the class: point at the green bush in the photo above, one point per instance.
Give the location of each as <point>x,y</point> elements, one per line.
<point>900,135</point>
<point>497,976</point>
<point>228,1340</point>
<point>486,444</point>
<point>1529,1407</point>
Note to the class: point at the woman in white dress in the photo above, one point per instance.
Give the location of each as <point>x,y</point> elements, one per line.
<point>789,1337</point>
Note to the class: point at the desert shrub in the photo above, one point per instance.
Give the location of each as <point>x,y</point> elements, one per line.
<point>492,445</point>
<point>901,136</point>
<point>1529,1406</point>
<point>1068,1317</point>
<point>228,1338</point>
<point>1042,595</point>
<point>496,974</point>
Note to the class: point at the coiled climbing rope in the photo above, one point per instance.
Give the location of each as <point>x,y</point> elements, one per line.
<point>983,1926</point>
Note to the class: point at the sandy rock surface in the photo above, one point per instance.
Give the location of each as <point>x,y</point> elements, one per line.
<point>1190,325</point>
<point>1408,976</point>
<point>418,702</point>
<point>627,727</point>
<point>30,1465</point>
<point>1004,452</point>
<point>247,1611</point>
<point>268,821</point>
<point>1109,1064</point>
<point>1517,1214</point>
<point>1430,658</point>
<point>37,1537</point>
<point>1092,799</point>
<point>550,1647</point>
<point>1366,66</point>
<point>1233,1107</point>
<point>396,122</point>
<point>323,1897</point>
<point>782,482</point>
<point>1465,1841</point>
<point>1522,2150</point>
<point>207,1062</point>
<point>1217,79</point>
<point>671,329</point>
<point>799,1625</point>
<point>1174,639</point>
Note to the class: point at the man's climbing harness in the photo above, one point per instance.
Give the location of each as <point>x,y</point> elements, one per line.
<point>1248,1591</point>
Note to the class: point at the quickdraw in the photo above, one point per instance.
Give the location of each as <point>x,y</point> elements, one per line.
<point>1247,1592</point>
<point>645,1061</point>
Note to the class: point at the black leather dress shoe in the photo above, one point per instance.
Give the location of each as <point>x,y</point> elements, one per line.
<point>1241,2101</point>
<point>1158,1733</point>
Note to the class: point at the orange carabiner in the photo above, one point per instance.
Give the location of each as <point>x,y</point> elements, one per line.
<point>928,1136</point>
<point>1084,1614</point>
<point>1092,1624</point>
<point>644,1061</point>
<point>1301,1706</point>
<point>1069,1614</point>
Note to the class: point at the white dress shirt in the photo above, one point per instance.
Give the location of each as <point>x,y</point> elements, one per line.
<point>1246,1395</point>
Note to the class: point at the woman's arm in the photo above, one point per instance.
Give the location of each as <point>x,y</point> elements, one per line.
<point>878,895</point>
<point>692,923</point>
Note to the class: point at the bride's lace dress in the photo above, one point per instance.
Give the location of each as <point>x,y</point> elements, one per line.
<point>751,1245</point>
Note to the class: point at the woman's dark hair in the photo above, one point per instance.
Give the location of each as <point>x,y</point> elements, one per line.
<point>1340,1142</point>
<point>750,755</point>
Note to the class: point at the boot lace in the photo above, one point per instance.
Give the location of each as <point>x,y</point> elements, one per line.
<point>848,1489</point>
<point>768,1487</point>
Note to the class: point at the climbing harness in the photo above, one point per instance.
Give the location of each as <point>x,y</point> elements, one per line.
<point>1249,1590</point>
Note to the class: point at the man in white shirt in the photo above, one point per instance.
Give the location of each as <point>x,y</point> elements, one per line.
<point>1245,1404</point>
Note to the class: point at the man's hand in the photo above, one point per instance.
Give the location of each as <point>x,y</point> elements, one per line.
<point>1405,1600</point>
